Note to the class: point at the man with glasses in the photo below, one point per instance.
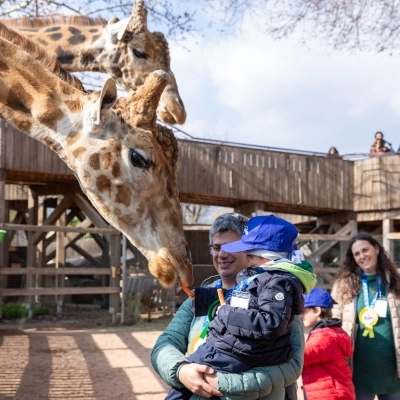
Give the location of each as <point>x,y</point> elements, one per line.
<point>168,356</point>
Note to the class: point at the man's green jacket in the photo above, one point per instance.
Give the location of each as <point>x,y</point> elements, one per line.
<point>263,383</point>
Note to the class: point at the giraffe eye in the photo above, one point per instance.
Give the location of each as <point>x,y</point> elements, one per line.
<point>137,160</point>
<point>139,54</point>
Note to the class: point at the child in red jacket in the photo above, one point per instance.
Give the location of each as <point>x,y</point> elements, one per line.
<point>326,374</point>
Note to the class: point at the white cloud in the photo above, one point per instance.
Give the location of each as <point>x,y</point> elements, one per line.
<point>255,90</point>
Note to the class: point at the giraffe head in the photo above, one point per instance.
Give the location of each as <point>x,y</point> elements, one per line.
<point>124,49</point>
<point>124,161</point>
<point>128,42</point>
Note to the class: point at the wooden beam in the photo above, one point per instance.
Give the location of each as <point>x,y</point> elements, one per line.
<point>55,271</point>
<point>56,188</point>
<point>393,235</point>
<point>82,202</point>
<point>3,210</point>
<point>327,245</point>
<point>344,216</point>
<point>59,291</point>
<point>317,236</point>
<point>53,228</point>
<point>55,215</point>
<point>85,254</point>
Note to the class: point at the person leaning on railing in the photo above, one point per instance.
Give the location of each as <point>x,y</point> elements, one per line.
<point>380,145</point>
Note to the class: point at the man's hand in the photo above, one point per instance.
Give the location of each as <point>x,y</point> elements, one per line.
<point>195,377</point>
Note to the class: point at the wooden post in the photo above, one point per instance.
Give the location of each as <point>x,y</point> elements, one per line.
<point>31,280</point>
<point>387,227</point>
<point>115,247</point>
<point>3,248</point>
<point>60,261</point>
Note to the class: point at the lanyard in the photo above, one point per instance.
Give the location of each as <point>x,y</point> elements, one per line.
<point>365,291</point>
<point>241,286</point>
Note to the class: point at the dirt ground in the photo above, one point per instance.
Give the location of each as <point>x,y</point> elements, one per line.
<point>80,357</point>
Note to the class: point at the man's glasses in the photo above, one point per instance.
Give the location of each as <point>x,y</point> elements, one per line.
<point>215,249</point>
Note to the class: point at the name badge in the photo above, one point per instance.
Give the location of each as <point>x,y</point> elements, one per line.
<point>240,299</point>
<point>381,307</point>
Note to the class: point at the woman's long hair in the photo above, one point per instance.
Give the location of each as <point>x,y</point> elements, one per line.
<point>347,284</point>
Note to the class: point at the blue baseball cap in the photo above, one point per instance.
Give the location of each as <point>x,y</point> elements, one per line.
<point>265,232</point>
<point>318,298</point>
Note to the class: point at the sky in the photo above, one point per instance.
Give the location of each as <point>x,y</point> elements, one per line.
<point>247,88</point>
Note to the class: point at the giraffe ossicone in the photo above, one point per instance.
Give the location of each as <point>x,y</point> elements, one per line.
<point>124,49</point>
<point>125,162</point>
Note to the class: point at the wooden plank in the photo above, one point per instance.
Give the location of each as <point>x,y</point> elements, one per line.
<point>317,236</point>
<point>55,271</point>
<point>54,228</point>
<point>392,235</point>
<point>82,202</point>
<point>59,291</point>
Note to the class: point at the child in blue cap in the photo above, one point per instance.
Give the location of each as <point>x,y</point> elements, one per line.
<point>252,328</point>
<point>326,373</point>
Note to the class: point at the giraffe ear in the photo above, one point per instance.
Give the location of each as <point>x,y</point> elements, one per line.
<point>107,98</point>
<point>116,31</point>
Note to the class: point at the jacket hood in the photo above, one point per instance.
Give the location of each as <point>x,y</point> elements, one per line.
<point>307,278</point>
<point>324,323</point>
<point>332,327</point>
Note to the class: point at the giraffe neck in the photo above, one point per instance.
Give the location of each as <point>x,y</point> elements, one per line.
<point>77,48</point>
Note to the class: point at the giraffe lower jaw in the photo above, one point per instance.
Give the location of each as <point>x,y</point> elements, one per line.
<point>172,117</point>
<point>169,270</point>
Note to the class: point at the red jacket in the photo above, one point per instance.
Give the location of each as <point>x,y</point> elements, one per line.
<point>326,373</point>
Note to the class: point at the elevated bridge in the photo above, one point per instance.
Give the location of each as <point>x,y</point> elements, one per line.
<point>232,175</point>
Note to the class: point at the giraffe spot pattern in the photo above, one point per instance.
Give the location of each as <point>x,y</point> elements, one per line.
<point>115,58</point>
<point>55,36</point>
<point>52,29</point>
<point>76,37</point>
<point>3,66</point>
<point>22,124</point>
<point>89,59</point>
<point>73,105</point>
<point>64,57</point>
<point>106,159</point>
<point>72,137</point>
<point>95,37</point>
<point>77,153</point>
<point>128,220</point>
<point>51,116</point>
<point>123,195</point>
<point>52,144</point>
<point>116,72</point>
<point>103,183</point>
<point>94,161</point>
<point>93,30</point>
<point>67,89</point>
<point>14,96</point>
<point>43,42</point>
<point>140,209</point>
<point>116,169</point>
<point>34,83</point>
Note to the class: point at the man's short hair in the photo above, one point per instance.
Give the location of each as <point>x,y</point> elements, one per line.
<point>377,133</point>
<point>234,222</point>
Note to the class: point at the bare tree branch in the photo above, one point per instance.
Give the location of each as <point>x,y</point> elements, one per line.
<point>340,24</point>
